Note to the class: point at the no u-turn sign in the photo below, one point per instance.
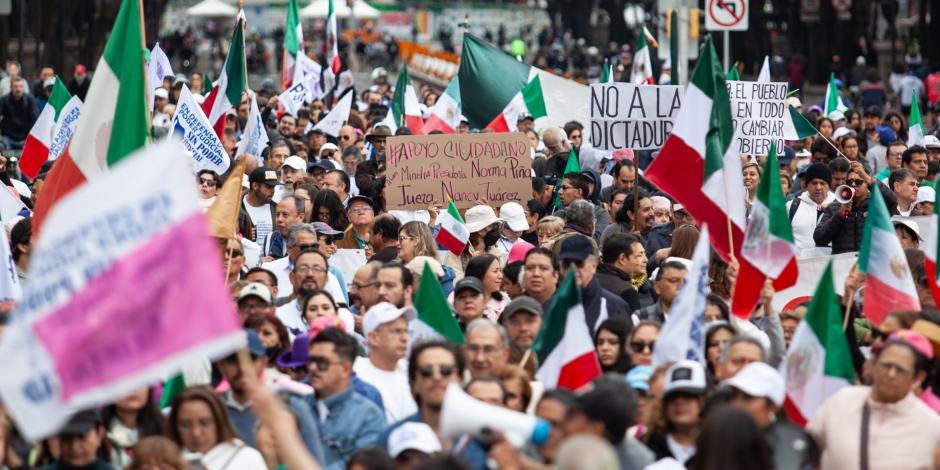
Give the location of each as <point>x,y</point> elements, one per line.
<point>726,15</point>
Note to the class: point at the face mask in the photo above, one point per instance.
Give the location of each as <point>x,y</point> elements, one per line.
<point>272,353</point>
<point>491,237</point>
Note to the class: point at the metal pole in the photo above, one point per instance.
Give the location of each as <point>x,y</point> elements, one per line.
<point>726,43</point>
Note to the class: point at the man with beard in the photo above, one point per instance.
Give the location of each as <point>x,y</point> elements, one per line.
<point>386,329</point>
<point>18,113</point>
<point>309,273</point>
<point>258,212</point>
<point>394,283</point>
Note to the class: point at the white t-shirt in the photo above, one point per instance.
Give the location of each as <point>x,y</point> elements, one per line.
<point>261,217</point>
<point>679,451</point>
<point>392,385</point>
<point>235,455</point>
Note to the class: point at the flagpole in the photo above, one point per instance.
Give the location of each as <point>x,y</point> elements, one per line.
<point>525,358</point>
<point>143,40</point>
<point>848,309</point>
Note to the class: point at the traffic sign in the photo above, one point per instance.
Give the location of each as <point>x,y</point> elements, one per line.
<point>726,15</point>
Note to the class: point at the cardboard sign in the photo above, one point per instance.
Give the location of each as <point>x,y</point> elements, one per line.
<point>424,169</point>
<point>627,116</point>
<point>758,110</point>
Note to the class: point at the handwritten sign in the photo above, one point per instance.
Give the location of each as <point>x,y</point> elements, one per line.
<point>627,116</point>
<point>470,167</point>
<point>758,110</point>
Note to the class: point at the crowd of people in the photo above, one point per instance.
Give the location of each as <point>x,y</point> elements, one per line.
<point>334,375</point>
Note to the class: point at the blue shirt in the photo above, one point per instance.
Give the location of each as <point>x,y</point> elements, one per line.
<point>348,422</point>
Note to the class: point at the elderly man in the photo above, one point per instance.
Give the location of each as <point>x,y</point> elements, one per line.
<point>579,220</point>
<point>558,147</point>
<point>301,237</point>
<point>293,171</point>
<point>487,346</point>
<point>669,280</point>
<point>579,253</point>
<point>522,318</point>
<point>738,353</point>
<point>384,238</point>
<point>370,174</point>
<point>361,212</point>
<point>309,273</point>
<point>290,211</point>
<point>386,329</point>
<point>363,292</point>
<point>347,137</point>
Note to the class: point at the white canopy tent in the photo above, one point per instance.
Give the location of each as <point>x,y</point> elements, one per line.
<point>212,9</point>
<point>320,9</point>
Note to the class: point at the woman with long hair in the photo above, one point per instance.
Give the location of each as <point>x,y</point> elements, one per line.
<point>128,420</point>
<point>199,424</point>
<point>716,337</point>
<point>321,304</point>
<point>157,452</point>
<point>327,208</point>
<point>487,269</point>
<point>610,343</point>
<point>273,334</point>
<point>730,440</point>
<point>676,418</point>
<point>641,342</point>
<point>684,239</point>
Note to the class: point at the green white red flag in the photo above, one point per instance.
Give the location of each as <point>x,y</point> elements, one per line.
<point>115,120</point>
<point>453,233</point>
<point>818,362</point>
<point>445,115</point>
<point>405,110</point>
<point>709,184</point>
<point>768,250</point>
<point>226,95</point>
<point>889,286</point>
<point>915,133</point>
<point>564,346</point>
<point>332,42</point>
<point>434,318</point>
<point>641,73</point>
<point>39,139</point>
<point>529,101</point>
<point>931,254</point>
<point>293,44</point>
<point>833,101</point>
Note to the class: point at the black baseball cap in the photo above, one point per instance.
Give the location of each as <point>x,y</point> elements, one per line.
<point>576,247</point>
<point>82,422</point>
<point>468,282</point>
<point>264,175</point>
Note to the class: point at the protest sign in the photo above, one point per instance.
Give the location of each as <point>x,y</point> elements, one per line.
<point>758,110</point>
<point>86,332</point>
<point>254,137</point>
<point>192,127</point>
<point>422,170</point>
<point>627,116</point>
<point>293,98</point>
<point>65,127</point>
<point>348,261</point>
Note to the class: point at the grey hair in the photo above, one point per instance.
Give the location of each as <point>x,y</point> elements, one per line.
<point>485,323</point>
<point>584,451</point>
<point>299,202</point>
<point>297,229</point>
<point>741,339</point>
<point>581,213</point>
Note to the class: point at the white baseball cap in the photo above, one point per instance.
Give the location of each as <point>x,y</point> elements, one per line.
<point>685,376</point>
<point>931,141</point>
<point>295,162</point>
<point>256,289</point>
<point>381,313</point>
<point>926,194</point>
<point>514,215</point>
<point>758,379</point>
<point>837,116</point>
<point>413,436</point>
<point>897,220</point>
<point>328,146</point>
<point>841,132</point>
<point>161,93</point>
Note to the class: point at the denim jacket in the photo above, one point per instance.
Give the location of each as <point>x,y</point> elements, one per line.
<point>352,422</point>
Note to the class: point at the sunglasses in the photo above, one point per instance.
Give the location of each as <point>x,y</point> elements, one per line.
<point>428,371</point>
<point>309,246</point>
<point>328,241</point>
<point>640,346</point>
<point>855,182</point>
<point>323,364</point>
<point>237,253</point>
<point>208,182</point>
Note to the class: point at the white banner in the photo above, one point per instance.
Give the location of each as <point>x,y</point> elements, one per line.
<point>637,117</point>
<point>65,128</point>
<point>192,127</point>
<point>332,122</point>
<point>811,269</point>
<point>758,110</point>
<point>255,137</point>
<point>158,68</point>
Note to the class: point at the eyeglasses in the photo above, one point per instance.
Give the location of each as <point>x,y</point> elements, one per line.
<point>237,253</point>
<point>308,246</point>
<point>855,182</point>
<point>360,210</point>
<point>327,241</point>
<point>322,364</point>
<point>640,346</point>
<point>207,182</point>
<point>488,350</point>
<point>428,371</point>
<point>345,137</point>
<point>307,269</point>
<point>406,238</point>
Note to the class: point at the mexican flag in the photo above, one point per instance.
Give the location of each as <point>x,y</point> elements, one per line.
<point>915,133</point>
<point>607,72</point>
<point>796,127</point>
<point>404,110</point>
<point>833,100</point>
<point>768,250</point>
<point>293,44</point>
<point>931,254</point>
<point>641,72</point>
<point>445,115</point>
<point>710,184</point>
<point>571,166</point>
<point>453,234</point>
<point>114,122</point>
<point>564,345</point>
<point>818,362</point>
<point>529,100</point>
<point>39,140</point>
<point>332,42</point>
<point>435,318</point>
<point>232,82</point>
<point>889,286</point>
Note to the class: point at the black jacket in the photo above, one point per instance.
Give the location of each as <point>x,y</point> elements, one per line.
<point>591,299</point>
<point>618,282</point>
<point>845,232</point>
<point>556,165</point>
<point>17,116</point>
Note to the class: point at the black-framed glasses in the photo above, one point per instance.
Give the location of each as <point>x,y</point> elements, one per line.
<point>308,246</point>
<point>322,364</point>
<point>855,182</point>
<point>640,346</point>
<point>428,371</point>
